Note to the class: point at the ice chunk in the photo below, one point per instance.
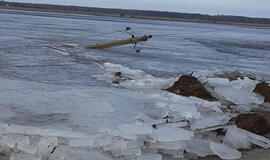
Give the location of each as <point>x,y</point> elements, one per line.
<point>117,133</point>
<point>253,138</point>
<point>46,145</point>
<point>218,81</point>
<point>23,156</point>
<point>102,141</point>
<point>245,84</point>
<point>140,117</point>
<point>71,153</point>
<point>137,129</point>
<point>11,140</point>
<point>224,152</point>
<point>178,145</point>
<point>81,142</point>
<point>125,148</point>
<point>210,120</point>
<point>149,156</point>
<point>168,134</point>
<point>199,147</point>
<point>26,130</point>
<point>236,139</point>
<point>238,96</point>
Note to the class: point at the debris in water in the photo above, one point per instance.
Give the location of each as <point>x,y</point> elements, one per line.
<point>264,90</point>
<point>187,85</point>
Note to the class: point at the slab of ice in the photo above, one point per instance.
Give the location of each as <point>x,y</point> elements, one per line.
<point>85,142</point>
<point>224,152</point>
<point>102,141</point>
<point>138,128</point>
<point>238,96</point>
<point>121,147</point>
<point>236,139</point>
<point>46,145</point>
<point>210,120</point>
<point>168,134</point>
<point>68,153</point>
<point>218,81</point>
<point>199,146</point>
<point>177,145</point>
<point>117,133</point>
<point>12,140</point>
<point>26,130</point>
<point>149,156</point>
<point>23,156</point>
<point>245,135</point>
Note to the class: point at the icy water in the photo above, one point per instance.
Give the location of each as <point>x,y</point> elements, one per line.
<point>49,80</point>
<point>176,47</point>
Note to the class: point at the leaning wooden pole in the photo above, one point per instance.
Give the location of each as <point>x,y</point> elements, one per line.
<point>120,42</point>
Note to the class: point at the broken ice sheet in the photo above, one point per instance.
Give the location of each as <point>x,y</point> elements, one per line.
<point>168,134</point>
<point>24,156</point>
<point>210,120</point>
<point>121,147</point>
<point>149,156</point>
<point>237,137</point>
<point>84,142</point>
<point>224,152</point>
<point>74,153</point>
<point>137,129</point>
<point>238,96</point>
<point>199,146</point>
<point>117,133</point>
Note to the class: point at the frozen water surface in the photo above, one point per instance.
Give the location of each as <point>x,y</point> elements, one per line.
<point>57,99</point>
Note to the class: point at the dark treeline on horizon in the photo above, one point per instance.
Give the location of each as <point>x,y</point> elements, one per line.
<point>134,13</point>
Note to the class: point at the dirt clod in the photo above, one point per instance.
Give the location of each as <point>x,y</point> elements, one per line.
<point>253,122</point>
<point>188,85</point>
<point>264,90</point>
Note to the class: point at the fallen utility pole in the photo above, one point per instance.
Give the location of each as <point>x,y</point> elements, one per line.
<point>133,40</point>
<point>120,42</point>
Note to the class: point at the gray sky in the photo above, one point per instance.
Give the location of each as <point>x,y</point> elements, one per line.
<point>252,8</point>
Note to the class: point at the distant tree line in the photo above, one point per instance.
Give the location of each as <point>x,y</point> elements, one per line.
<point>132,13</point>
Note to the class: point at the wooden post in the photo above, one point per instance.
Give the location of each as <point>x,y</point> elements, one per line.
<point>120,42</point>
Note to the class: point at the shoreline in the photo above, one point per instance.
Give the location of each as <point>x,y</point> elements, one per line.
<point>135,17</point>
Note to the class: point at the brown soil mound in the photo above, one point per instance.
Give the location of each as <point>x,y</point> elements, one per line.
<point>253,122</point>
<point>188,85</point>
<point>264,90</point>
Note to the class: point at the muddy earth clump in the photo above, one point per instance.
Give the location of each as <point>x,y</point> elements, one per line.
<point>235,75</point>
<point>253,122</point>
<point>264,90</point>
<point>187,85</point>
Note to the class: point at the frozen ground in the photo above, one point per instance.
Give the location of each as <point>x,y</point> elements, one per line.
<point>58,102</point>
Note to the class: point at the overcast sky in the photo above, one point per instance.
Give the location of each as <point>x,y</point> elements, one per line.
<point>252,8</point>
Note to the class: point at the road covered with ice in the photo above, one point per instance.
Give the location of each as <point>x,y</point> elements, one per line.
<point>61,101</point>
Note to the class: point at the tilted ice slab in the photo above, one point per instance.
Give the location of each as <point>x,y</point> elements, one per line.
<point>238,92</point>
<point>239,138</point>
<point>209,120</point>
<point>205,147</point>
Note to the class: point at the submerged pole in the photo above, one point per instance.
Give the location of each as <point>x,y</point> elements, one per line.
<point>133,40</point>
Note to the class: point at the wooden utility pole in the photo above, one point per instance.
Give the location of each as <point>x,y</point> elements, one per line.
<point>133,40</point>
